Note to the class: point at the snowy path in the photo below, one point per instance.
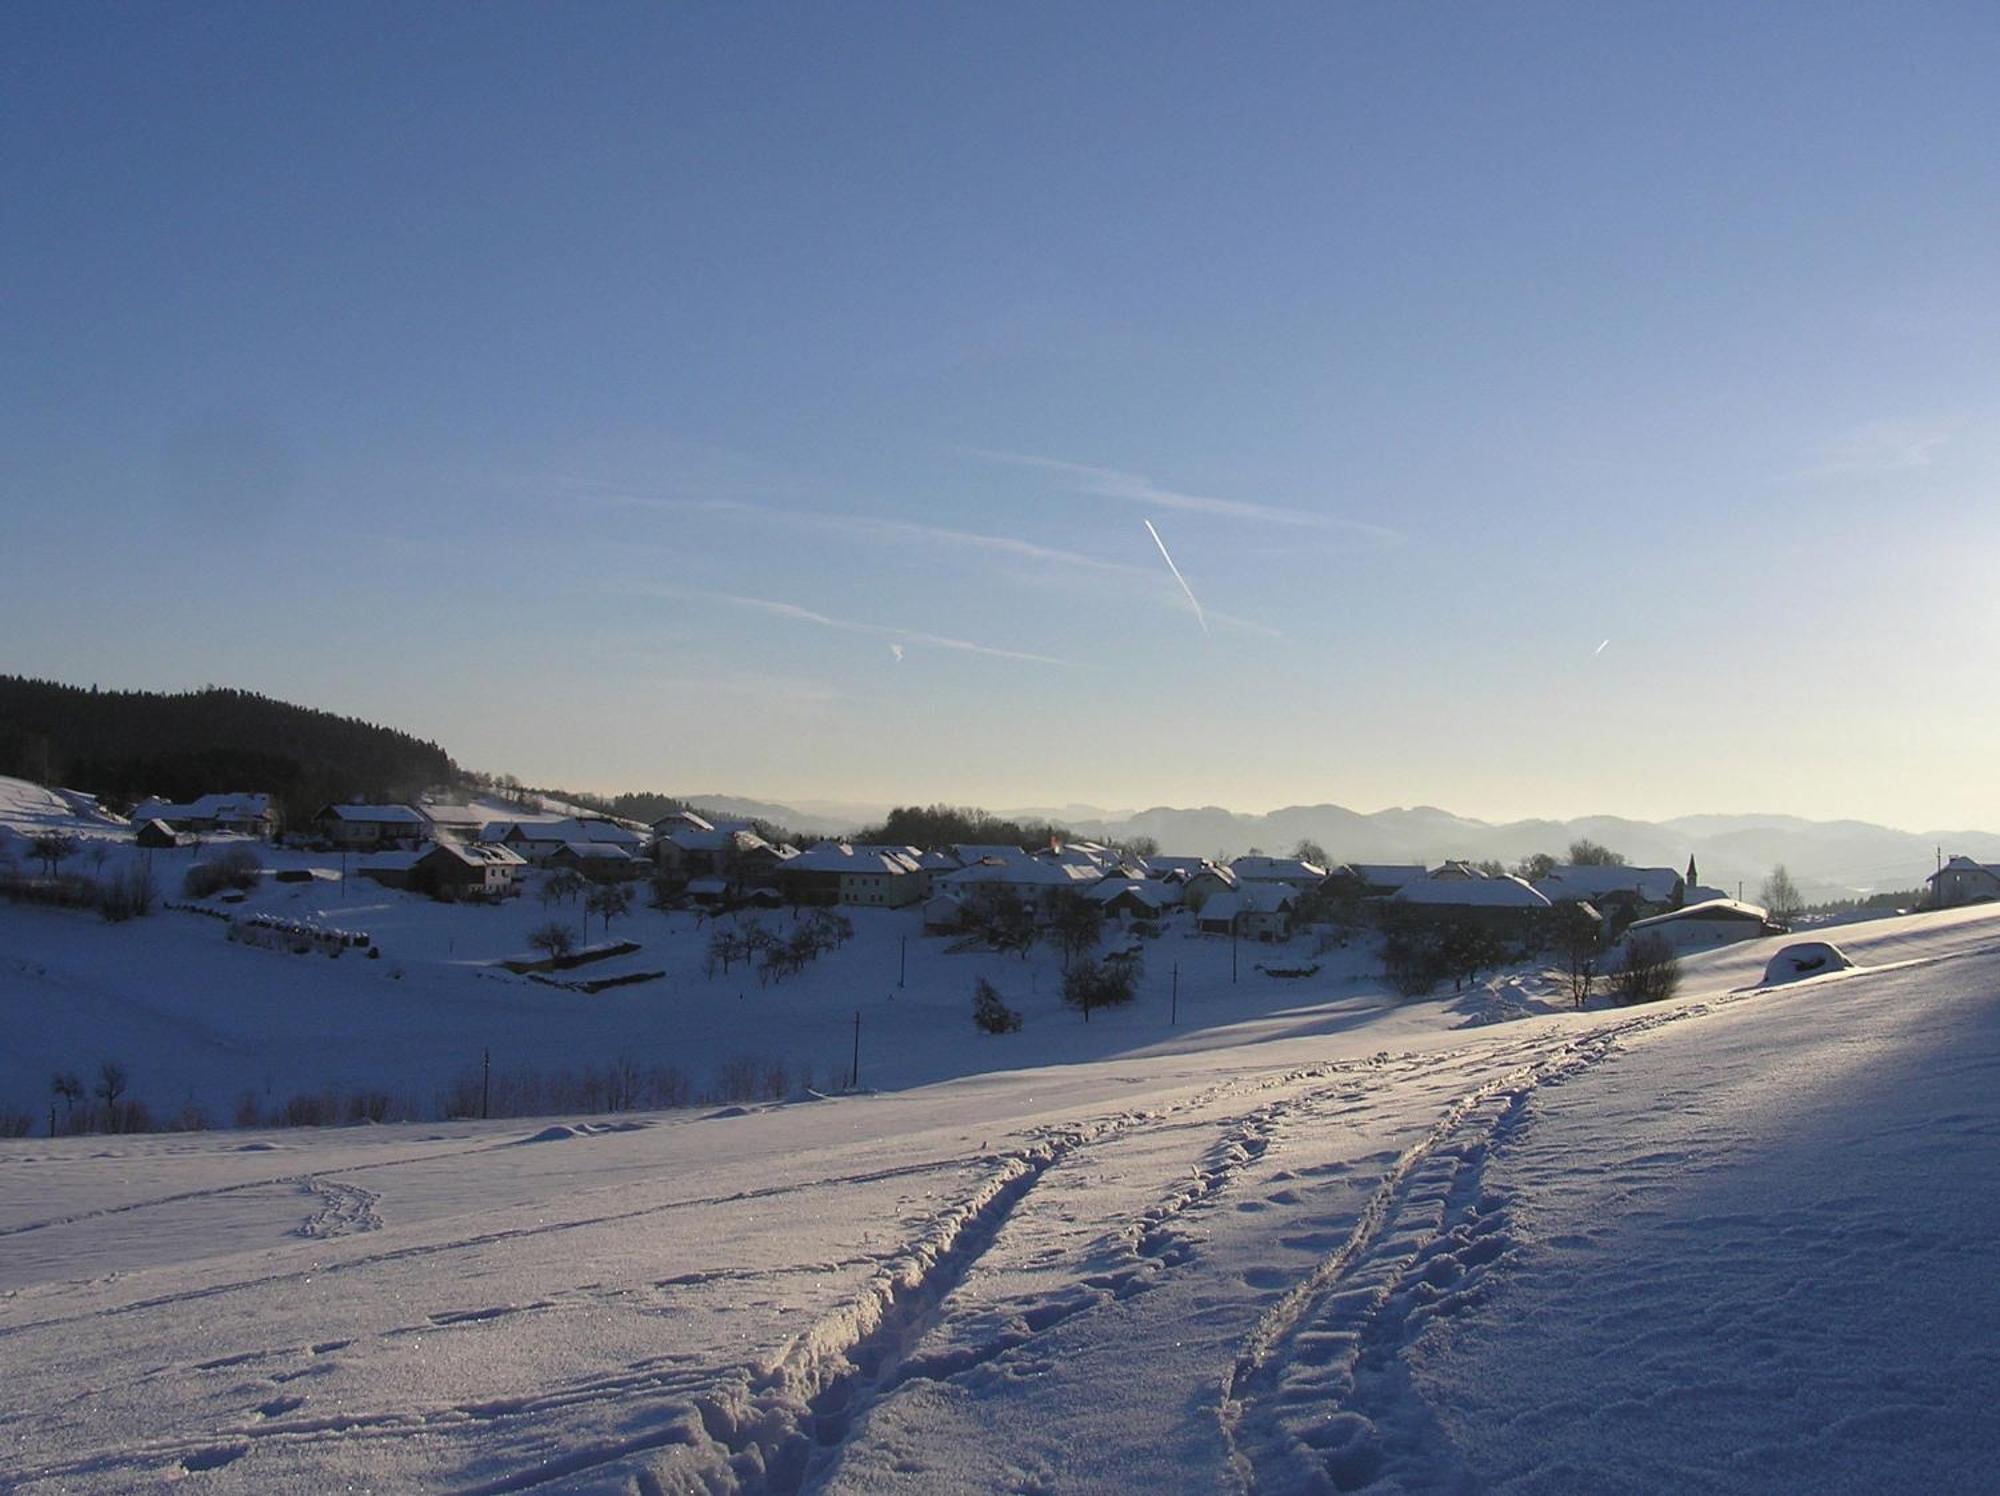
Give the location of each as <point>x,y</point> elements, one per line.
<point>1278,1267</point>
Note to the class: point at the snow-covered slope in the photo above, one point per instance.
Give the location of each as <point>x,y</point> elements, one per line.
<point>1729,1243</point>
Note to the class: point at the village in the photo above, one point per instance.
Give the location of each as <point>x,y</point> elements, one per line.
<point>472,850</point>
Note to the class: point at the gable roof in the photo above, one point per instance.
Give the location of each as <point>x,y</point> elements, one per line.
<point>1726,911</point>
<point>1504,892</point>
<point>1656,885</point>
<point>374,815</point>
<point>1277,869</point>
<point>230,806</point>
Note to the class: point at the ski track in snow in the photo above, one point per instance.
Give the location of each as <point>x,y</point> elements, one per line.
<point>1317,1395</point>
<point>343,1208</point>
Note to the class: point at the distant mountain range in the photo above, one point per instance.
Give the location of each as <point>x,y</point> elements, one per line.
<point>1828,859</point>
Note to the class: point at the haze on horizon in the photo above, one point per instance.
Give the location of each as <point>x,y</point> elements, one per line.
<point>1538,412</point>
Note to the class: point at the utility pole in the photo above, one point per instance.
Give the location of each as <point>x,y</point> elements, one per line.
<point>1174,1013</point>
<point>903,961</point>
<point>854,1075</point>
<point>1232,953</point>
<point>485,1083</point>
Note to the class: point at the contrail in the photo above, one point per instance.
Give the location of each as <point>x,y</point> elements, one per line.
<point>1192,601</point>
<point>1600,649</point>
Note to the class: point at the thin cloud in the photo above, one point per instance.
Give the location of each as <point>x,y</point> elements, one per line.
<point>776,608</point>
<point>889,529</point>
<point>1882,447</point>
<point>1136,488</point>
<point>1193,601</point>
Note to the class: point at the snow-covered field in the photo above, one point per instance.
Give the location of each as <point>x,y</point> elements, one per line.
<point>1307,1239</point>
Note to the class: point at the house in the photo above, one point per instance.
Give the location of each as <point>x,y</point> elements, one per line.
<point>481,869</point>
<point>681,820</point>
<point>1207,883</point>
<point>155,833</point>
<point>1026,879</point>
<point>1963,881</point>
<point>968,853</point>
<point>708,892</point>
<point>366,826</point>
<point>944,914</point>
<point>882,877</point>
<point>539,840</point>
<point>602,861</point>
<point>1294,873</point>
<point>1638,890</point>
<point>837,873</point>
<point>1136,898</point>
<point>1700,926</point>
<point>240,813</point>
<point>1504,903</point>
<point>1255,911</point>
<point>1181,868</point>
<point>1374,880</point>
<point>453,822</point>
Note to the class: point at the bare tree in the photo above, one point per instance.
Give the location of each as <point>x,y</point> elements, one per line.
<point>68,1085</point>
<point>1649,971</point>
<point>51,848</point>
<point>1311,851</point>
<point>563,884</point>
<point>555,938</point>
<point>111,1084</point>
<point>1579,940</point>
<point>1781,896</point>
<point>608,899</point>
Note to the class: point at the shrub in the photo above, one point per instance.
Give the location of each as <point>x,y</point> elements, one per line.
<point>989,1013</point>
<point>16,1124</point>
<point>1648,971</point>
<point>233,867</point>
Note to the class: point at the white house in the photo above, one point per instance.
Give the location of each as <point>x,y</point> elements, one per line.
<point>1255,911</point>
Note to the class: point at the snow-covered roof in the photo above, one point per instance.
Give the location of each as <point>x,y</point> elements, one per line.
<point>1504,892</point>
<point>1728,911</point>
<point>1151,891</point>
<point>1026,873</point>
<point>682,819</point>
<point>458,817</point>
<point>562,830</point>
<point>375,815</point>
<point>596,851</point>
<point>1159,866</point>
<point>1251,898</point>
<point>840,857</point>
<point>478,854</point>
<point>1655,885</point>
<point>1277,870</point>
<point>971,852</point>
<point>1385,874</point>
<point>217,807</point>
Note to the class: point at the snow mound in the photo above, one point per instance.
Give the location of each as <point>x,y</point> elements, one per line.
<point>1805,958</point>
<point>561,1130</point>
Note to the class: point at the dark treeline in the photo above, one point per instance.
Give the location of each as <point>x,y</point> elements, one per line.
<point>122,745</point>
<point>933,826</point>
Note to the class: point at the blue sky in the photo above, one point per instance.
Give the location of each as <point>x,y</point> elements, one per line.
<point>771,400</point>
